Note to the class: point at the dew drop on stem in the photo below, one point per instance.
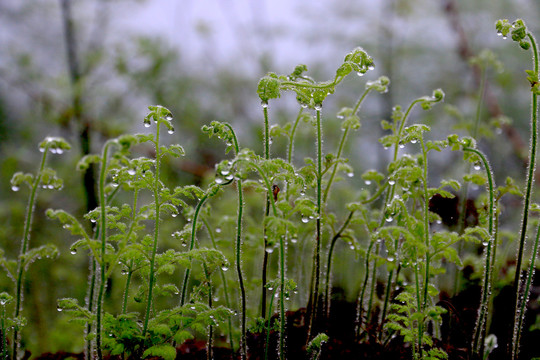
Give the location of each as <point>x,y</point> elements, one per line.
<point>305,219</point>
<point>218,230</point>
<point>171,131</point>
<point>269,249</point>
<point>367,182</point>
<point>131,172</point>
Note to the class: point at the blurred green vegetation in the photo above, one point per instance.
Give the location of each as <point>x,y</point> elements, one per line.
<point>415,42</point>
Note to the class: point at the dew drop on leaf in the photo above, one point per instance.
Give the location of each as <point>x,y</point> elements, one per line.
<point>389,219</point>
<point>171,131</point>
<point>131,172</point>
<point>15,188</point>
<point>59,151</point>
<point>269,249</point>
<point>367,182</point>
<point>350,174</point>
<point>218,230</point>
<point>59,308</point>
<point>305,219</point>
<point>224,268</point>
<point>219,181</point>
<point>73,251</point>
<point>147,125</point>
<point>391,182</point>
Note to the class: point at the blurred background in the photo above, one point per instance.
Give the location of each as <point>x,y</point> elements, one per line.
<point>87,70</point>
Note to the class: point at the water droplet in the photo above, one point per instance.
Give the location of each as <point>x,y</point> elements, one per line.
<point>350,174</point>
<point>414,141</point>
<point>439,222</point>
<point>224,268</point>
<point>341,117</point>
<point>294,240</point>
<point>269,249</point>
<point>218,230</point>
<point>53,150</point>
<point>124,271</point>
<point>114,185</point>
<point>359,73</point>
<point>477,166</point>
<point>171,131</point>
<point>391,258</point>
<point>485,243</point>
<point>305,219</point>
<point>391,182</point>
<point>367,182</point>
<point>371,67</point>
<point>50,186</point>
<point>504,37</point>
<point>225,172</point>
<point>219,181</point>
<point>15,188</point>
<point>264,104</point>
<point>302,193</point>
<point>351,247</point>
<point>59,308</point>
<point>270,288</point>
<point>386,147</point>
<point>3,302</point>
<point>147,125</point>
<point>192,307</point>
<point>41,149</point>
<point>73,251</point>
<point>389,219</point>
<point>229,177</point>
<point>59,151</point>
<point>168,117</point>
<point>270,141</point>
<point>401,146</point>
<point>131,172</point>
<point>216,298</point>
<point>174,214</point>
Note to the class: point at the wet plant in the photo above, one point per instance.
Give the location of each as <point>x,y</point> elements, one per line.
<point>520,34</point>
<point>289,229</point>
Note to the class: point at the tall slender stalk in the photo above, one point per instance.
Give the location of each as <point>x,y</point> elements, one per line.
<point>314,296</point>
<point>518,316</point>
<point>266,212</point>
<point>24,246</point>
<point>157,203</point>
<point>223,280</point>
<point>479,332</point>
<point>103,244</point>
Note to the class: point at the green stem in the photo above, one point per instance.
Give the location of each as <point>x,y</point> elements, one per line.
<point>426,223</point>
<point>314,296</point>
<point>341,145</point>
<point>268,323</point>
<point>223,280</point>
<point>523,232</point>
<point>103,238</point>
<point>192,245</point>
<point>157,188</point>
<point>266,212</point>
<point>478,339</point>
<point>24,246</point>
<point>290,148</point>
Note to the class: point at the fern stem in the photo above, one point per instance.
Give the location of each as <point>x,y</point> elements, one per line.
<point>518,317</point>
<point>156,232</point>
<point>24,246</point>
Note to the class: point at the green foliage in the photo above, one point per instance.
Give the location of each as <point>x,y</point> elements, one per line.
<point>145,232</point>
